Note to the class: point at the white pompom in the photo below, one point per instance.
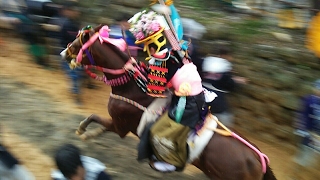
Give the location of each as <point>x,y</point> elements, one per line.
<point>161,9</point>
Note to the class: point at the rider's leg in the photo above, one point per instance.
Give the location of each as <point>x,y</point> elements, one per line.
<point>150,115</point>
<point>147,120</point>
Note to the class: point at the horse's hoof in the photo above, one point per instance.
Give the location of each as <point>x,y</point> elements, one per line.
<point>83,137</point>
<point>80,131</point>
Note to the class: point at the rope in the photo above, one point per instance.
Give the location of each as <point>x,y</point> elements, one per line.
<point>134,103</point>
<point>227,132</point>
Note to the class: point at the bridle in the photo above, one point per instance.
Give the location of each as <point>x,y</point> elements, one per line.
<point>86,47</point>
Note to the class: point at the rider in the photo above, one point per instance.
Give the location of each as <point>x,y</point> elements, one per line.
<point>168,69</point>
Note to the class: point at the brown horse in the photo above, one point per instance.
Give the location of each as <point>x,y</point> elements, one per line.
<point>224,158</point>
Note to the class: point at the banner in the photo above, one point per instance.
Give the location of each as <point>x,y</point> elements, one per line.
<point>176,21</point>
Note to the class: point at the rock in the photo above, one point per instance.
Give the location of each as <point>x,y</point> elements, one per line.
<point>290,55</point>
<point>286,99</point>
<point>282,36</point>
<point>285,80</point>
<point>218,31</point>
<point>267,82</point>
<point>265,51</point>
<point>284,133</point>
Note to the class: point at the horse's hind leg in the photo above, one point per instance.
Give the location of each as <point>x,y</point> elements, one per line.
<point>106,123</point>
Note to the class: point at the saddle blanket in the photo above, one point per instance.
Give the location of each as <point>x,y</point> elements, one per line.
<point>197,141</point>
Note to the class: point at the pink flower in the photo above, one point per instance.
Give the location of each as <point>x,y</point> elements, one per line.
<point>145,25</point>
<point>139,35</point>
<point>155,27</point>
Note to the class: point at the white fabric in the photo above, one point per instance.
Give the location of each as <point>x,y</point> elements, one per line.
<point>153,60</point>
<point>149,115</point>
<point>17,172</point>
<point>209,96</point>
<point>198,142</point>
<point>161,9</point>
<point>93,168</point>
<point>216,65</point>
<point>163,166</point>
<point>163,22</point>
<point>192,28</point>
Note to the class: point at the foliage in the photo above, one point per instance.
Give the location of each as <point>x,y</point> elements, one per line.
<point>249,27</point>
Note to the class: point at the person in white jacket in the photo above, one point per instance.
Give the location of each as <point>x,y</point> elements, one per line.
<point>74,166</point>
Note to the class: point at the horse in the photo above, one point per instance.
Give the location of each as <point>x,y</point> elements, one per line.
<point>223,157</point>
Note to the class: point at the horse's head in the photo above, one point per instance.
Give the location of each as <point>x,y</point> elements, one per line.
<point>93,46</point>
<point>94,49</point>
<point>70,54</point>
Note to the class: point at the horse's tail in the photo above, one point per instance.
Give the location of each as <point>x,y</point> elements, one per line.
<point>269,175</point>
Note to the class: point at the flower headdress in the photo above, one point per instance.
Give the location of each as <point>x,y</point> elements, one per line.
<point>144,24</point>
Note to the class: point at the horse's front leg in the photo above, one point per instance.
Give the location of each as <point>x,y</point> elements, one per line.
<point>105,122</point>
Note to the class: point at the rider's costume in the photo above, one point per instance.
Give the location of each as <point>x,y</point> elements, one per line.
<point>168,69</point>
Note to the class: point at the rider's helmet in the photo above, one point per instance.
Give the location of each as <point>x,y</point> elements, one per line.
<point>157,39</point>
<point>148,29</point>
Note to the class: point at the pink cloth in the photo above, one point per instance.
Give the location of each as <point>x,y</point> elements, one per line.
<point>104,37</point>
<point>187,74</point>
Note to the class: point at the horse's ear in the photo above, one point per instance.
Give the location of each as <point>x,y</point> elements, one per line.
<point>96,29</point>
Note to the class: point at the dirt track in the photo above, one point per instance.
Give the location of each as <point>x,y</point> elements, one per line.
<point>38,114</point>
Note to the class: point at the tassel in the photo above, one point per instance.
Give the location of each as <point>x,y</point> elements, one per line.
<point>180,108</point>
<point>73,64</point>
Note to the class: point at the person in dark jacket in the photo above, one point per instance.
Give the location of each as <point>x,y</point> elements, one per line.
<point>69,30</point>
<point>10,166</point>
<point>218,77</point>
<point>308,127</point>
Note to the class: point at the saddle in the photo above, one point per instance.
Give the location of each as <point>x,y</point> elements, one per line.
<point>196,141</point>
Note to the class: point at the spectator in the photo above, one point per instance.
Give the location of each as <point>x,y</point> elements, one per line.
<point>11,168</point>
<point>69,30</point>
<point>193,32</point>
<point>217,77</point>
<point>308,126</point>
<point>74,166</point>
<point>116,32</point>
<point>25,26</point>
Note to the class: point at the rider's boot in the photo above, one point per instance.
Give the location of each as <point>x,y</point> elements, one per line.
<point>160,165</point>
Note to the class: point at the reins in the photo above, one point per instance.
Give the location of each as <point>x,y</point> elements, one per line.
<point>130,67</point>
<point>227,132</point>
<point>135,104</point>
